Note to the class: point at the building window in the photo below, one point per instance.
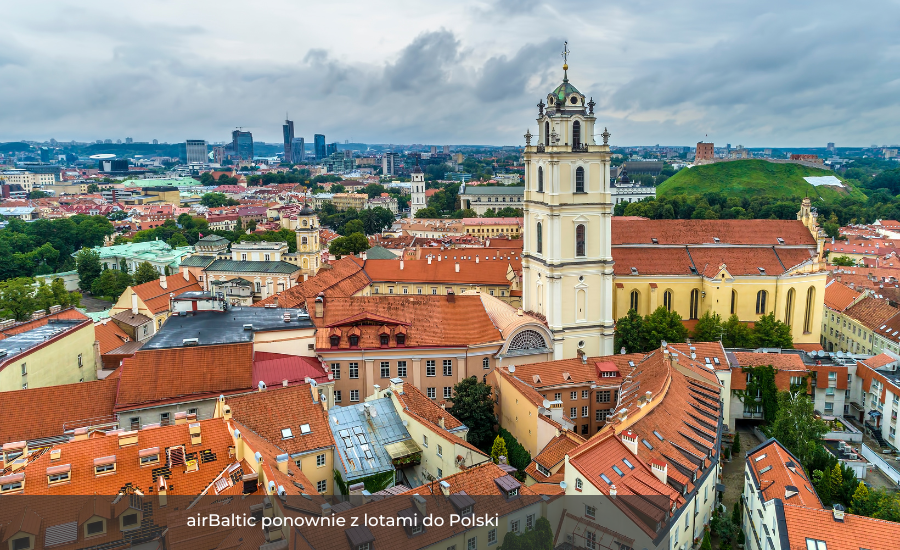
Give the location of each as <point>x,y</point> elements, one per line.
<point>472,544</point>
<point>384,339</point>
<point>761,302</point>
<point>579,240</point>
<point>24,369</point>
<point>354,370</point>
<point>448,367</point>
<point>635,300</point>
<point>667,300</point>
<point>401,369</point>
<point>600,416</point>
<point>385,369</point>
<point>573,395</point>
<point>334,340</point>
<point>585,394</point>
<point>590,511</point>
<point>808,313</point>
<point>603,396</point>
<point>578,483</point>
<point>431,393</point>
<point>80,364</point>
<point>590,540</point>
<point>514,526</point>
<point>354,395</point>
<point>540,185</point>
<point>486,363</point>
<point>584,412</point>
<point>430,369</point>
<point>336,370</point>
<point>401,339</point>
<point>320,460</point>
<point>448,392</point>
<point>322,486</point>
<point>492,537</point>
<point>337,396</point>
<point>547,133</point>
<point>576,134</point>
<point>579,180</point>
<point>540,238</point>
<point>354,341</point>
<point>557,397</point>
<point>573,412</point>
<point>695,304</point>
<point>733,301</point>
<point>789,307</point>
<point>440,452</point>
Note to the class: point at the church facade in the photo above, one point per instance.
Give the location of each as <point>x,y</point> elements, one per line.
<point>567,264</point>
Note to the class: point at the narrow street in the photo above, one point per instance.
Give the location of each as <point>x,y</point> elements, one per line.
<point>733,471</point>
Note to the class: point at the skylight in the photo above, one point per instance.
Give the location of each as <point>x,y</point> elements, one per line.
<point>647,444</point>
<point>629,464</point>
<point>286,433</point>
<point>766,469</point>
<point>618,471</point>
<point>605,479</point>
<point>304,429</point>
<point>658,436</point>
<point>760,457</point>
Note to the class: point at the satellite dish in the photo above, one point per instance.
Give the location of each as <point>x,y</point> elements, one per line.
<point>102,156</point>
<point>546,403</point>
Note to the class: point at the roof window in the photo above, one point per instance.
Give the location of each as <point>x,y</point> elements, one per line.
<point>658,436</point>
<point>304,429</point>
<point>627,463</point>
<point>605,479</point>
<point>617,470</point>
<point>647,444</point>
<point>716,240</point>
<point>286,433</point>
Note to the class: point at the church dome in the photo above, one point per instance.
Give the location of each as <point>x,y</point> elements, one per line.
<point>306,210</point>
<point>564,90</point>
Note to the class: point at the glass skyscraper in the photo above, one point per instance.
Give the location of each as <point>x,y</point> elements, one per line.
<point>320,146</point>
<point>242,144</point>
<point>288,130</point>
<point>298,151</point>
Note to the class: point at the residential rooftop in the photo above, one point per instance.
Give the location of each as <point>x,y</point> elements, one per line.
<point>237,324</point>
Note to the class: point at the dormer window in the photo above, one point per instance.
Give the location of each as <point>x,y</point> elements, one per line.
<point>354,341</point>
<point>335,341</point>
<point>416,529</point>
<point>401,339</point>
<point>385,339</point>
<point>513,492</point>
<point>105,465</point>
<point>59,474</point>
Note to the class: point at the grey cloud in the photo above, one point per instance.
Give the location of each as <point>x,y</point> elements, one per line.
<point>425,62</point>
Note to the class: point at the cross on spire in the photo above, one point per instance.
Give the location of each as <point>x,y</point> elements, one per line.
<point>565,56</point>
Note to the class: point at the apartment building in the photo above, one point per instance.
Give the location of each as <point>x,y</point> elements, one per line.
<point>851,320</point>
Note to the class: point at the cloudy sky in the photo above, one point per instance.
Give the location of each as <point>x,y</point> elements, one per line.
<point>763,73</point>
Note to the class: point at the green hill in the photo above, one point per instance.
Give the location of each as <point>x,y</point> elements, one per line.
<point>742,178</point>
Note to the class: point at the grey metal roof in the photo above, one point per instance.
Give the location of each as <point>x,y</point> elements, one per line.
<point>235,266</point>
<point>380,253</point>
<point>131,319</point>
<point>361,439</point>
<point>22,342</point>
<point>198,260</point>
<point>492,190</point>
<point>225,327</point>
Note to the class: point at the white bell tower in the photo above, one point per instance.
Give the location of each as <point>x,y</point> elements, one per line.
<point>567,260</point>
<point>417,191</point>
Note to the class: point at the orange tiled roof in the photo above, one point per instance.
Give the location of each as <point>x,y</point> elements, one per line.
<point>786,365</point>
<point>417,404</point>
<point>345,278</point>
<point>707,353</point>
<point>80,455</point>
<point>276,408</point>
<point>270,467</point>
<point>778,474</point>
<point>67,403</point>
<point>855,532</point>
<point>109,335</point>
<point>557,449</point>
<point>839,296</point>
<point>483,271</point>
<point>429,321</point>
<point>878,361</point>
<point>762,232</point>
<point>872,312</point>
<point>160,374</point>
<point>156,298</point>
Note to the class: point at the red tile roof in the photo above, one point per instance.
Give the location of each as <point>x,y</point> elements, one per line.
<point>418,405</point>
<point>109,335</point>
<point>25,326</point>
<point>345,277</point>
<point>556,450</point>
<point>472,272</point>
<point>64,407</point>
<point>274,368</point>
<point>872,312</point>
<point>775,470</point>
<point>786,366</point>
<point>277,408</point>
<point>156,298</point>
<point>839,296</point>
<point>159,374</point>
<point>853,533</point>
<point>761,232</point>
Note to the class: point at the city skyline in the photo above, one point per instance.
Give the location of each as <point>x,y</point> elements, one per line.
<point>761,75</point>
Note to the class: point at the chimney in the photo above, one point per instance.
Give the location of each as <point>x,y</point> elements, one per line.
<point>80,434</point>
<point>477,259</point>
<point>429,260</point>
<point>441,421</point>
<point>238,446</point>
<point>276,302</point>
<point>612,491</point>
<point>445,488</point>
<point>282,462</point>
<point>194,430</point>
<point>162,282</point>
<point>187,276</point>
<point>261,386</point>
<point>161,490</point>
<point>630,439</point>
<point>134,303</point>
<point>180,418</point>
<point>439,257</point>
<point>397,385</point>
<point>419,501</point>
<point>284,383</point>
<point>401,265</point>
<point>457,267</point>
<point>320,307</point>
<point>661,470</point>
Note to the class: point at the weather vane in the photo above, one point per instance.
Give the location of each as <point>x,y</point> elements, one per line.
<point>565,52</point>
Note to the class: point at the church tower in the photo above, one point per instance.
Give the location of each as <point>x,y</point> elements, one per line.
<point>567,261</point>
<point>308,247</point>
<point>417,191</point>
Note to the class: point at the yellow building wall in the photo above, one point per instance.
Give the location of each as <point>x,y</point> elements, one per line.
<point>517,414</point>
<point>715,296</point>
<point>55,363</point>
<point>307,464</point>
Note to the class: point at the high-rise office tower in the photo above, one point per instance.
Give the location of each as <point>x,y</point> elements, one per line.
<point>288,131</point>
<point>446,149</point>
<point>242,144</point>
<point>331,149</point>
<point>319,146</point>
<point>389,164</point>
<point>195,151</point>
<point>298,150</point>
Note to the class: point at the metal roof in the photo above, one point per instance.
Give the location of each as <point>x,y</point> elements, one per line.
<point>198,260</point>
<point>491,190</point>
<point>225,327</point>
<point>362,437</point>
<point>21,343</point>
<point>235,266</point>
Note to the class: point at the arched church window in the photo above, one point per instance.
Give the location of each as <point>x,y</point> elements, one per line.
<point>695,304</point>
<point>540,238</point>
<point>761,302</point>
<point>547,133</point>
<point>304,223</point>
<point>579,180</point>
<point>789,307</point>
<point>733,301</point>
<point>579,239</point>
<point>635,300</point>
<point>667,300</point>
<point>540,179</point>
<point>303,240</point>
<point>576,134</point>
<point>526,340</point>
<point>808,314</point>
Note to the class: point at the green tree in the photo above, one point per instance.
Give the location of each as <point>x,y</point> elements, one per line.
<point>145,273</point>
<point>862,503</point>
<point>519,457</point>
<point>835,480</point>
<point>16,298</point>
<point>93,188</point>
<point>509,212</point>
<point>37,194</point>
<point>177,240</point>
<point>822,484</point>
<point>842,261</point>
<point>498,449</point>
<point>664,325</point>
<point>349,245</point>
<point>87,264</point>
<point>796,425</point>
<point>464,213</point>
<point>736,334</point>
<point>111,283</point>
<point>63,297</point>
<point>630,333</point>
<point>709,328</point>
<point>215,200</point>
<point>706,544</point>
<point>427,213</point>
<point>117,215</point>
<point>736,445</point>
<point>353,226</point>
<point>769,332</point>
<point>474,407</point>
<point>761,389</point>
<point>207,179</point>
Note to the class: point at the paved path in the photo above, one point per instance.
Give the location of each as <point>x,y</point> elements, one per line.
<point>733,471</point>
